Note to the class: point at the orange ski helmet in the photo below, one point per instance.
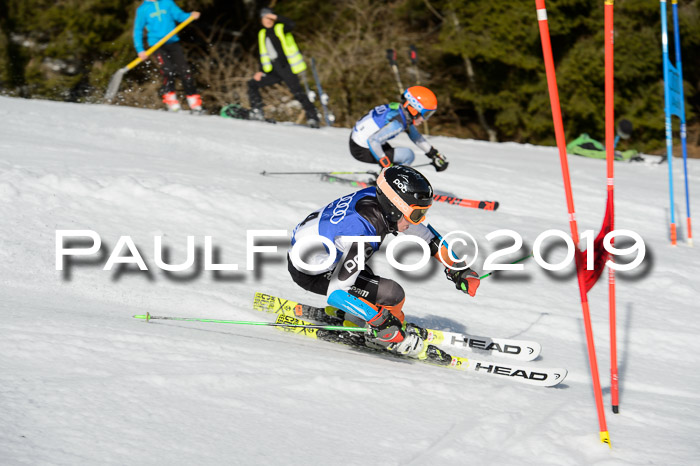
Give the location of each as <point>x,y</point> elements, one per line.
<point>420,101</point>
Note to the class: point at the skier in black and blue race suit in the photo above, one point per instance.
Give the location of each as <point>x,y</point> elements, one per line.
<point>370,135</point>
<point>398,204</point>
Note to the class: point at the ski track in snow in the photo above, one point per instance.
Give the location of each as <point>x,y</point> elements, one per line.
<point>81,382</point>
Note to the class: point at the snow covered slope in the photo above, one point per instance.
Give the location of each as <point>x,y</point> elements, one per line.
<point>82,382</point>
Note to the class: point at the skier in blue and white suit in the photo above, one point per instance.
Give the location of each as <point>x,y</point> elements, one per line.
<point>370,135</point>
<point>399,203</point>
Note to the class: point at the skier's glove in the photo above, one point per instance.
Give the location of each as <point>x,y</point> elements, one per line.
<point>438,160</point>
<point>465,280</point>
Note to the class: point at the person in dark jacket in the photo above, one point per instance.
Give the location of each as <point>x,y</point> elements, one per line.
<point>280,60</point>
<point>159,18</point>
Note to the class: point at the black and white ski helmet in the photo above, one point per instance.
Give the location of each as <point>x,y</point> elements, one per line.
<point>404,191</point>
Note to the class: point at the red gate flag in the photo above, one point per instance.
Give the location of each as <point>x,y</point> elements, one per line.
<point>600,254</point>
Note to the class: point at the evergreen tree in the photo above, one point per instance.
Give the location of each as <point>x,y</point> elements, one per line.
<point>483,58</point>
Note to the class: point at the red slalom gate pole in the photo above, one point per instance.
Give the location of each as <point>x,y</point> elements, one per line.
<point>561,144</point>
<point>610,158</point>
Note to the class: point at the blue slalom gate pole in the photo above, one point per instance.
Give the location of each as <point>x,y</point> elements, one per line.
<point>679,67</point>
<point>669,70</point>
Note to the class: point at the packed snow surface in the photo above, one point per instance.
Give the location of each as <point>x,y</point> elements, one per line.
<point>82,382</point>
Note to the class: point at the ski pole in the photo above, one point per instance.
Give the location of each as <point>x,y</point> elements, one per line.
<point>323,96</point>
<point>148,317</point>
<point>320,173</point>
<point>391,56</point>
<point>413,56</point>
<point>116,80</point>
<point>515,262</point>
<point>309,93</point>
<point>355,183</point>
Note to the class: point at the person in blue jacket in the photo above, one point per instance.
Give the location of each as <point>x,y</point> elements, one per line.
<point>159,17</point>
<point>398,204</point>
<point>370,135</point>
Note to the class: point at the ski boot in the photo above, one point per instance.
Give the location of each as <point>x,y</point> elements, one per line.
<point>171,102</point>
<point>195,103</point>
<point>256,113</point>
<point>412,345</point>
<point>431,353</point>
<point>386,331</point>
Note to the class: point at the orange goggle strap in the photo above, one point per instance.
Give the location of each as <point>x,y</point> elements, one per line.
<point>410,109</point>
<point>394,198</point>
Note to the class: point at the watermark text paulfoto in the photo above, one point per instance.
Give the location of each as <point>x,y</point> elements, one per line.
<point>133,255</point>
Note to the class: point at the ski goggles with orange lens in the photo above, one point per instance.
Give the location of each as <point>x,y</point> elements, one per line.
<point>417,214</point>
<point>413,213</point>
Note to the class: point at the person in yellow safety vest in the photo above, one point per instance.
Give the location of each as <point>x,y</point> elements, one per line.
<point>281,60</point>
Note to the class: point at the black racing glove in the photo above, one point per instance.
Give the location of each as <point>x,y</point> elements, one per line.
<point>438,160</point>
<point>465,280</point>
